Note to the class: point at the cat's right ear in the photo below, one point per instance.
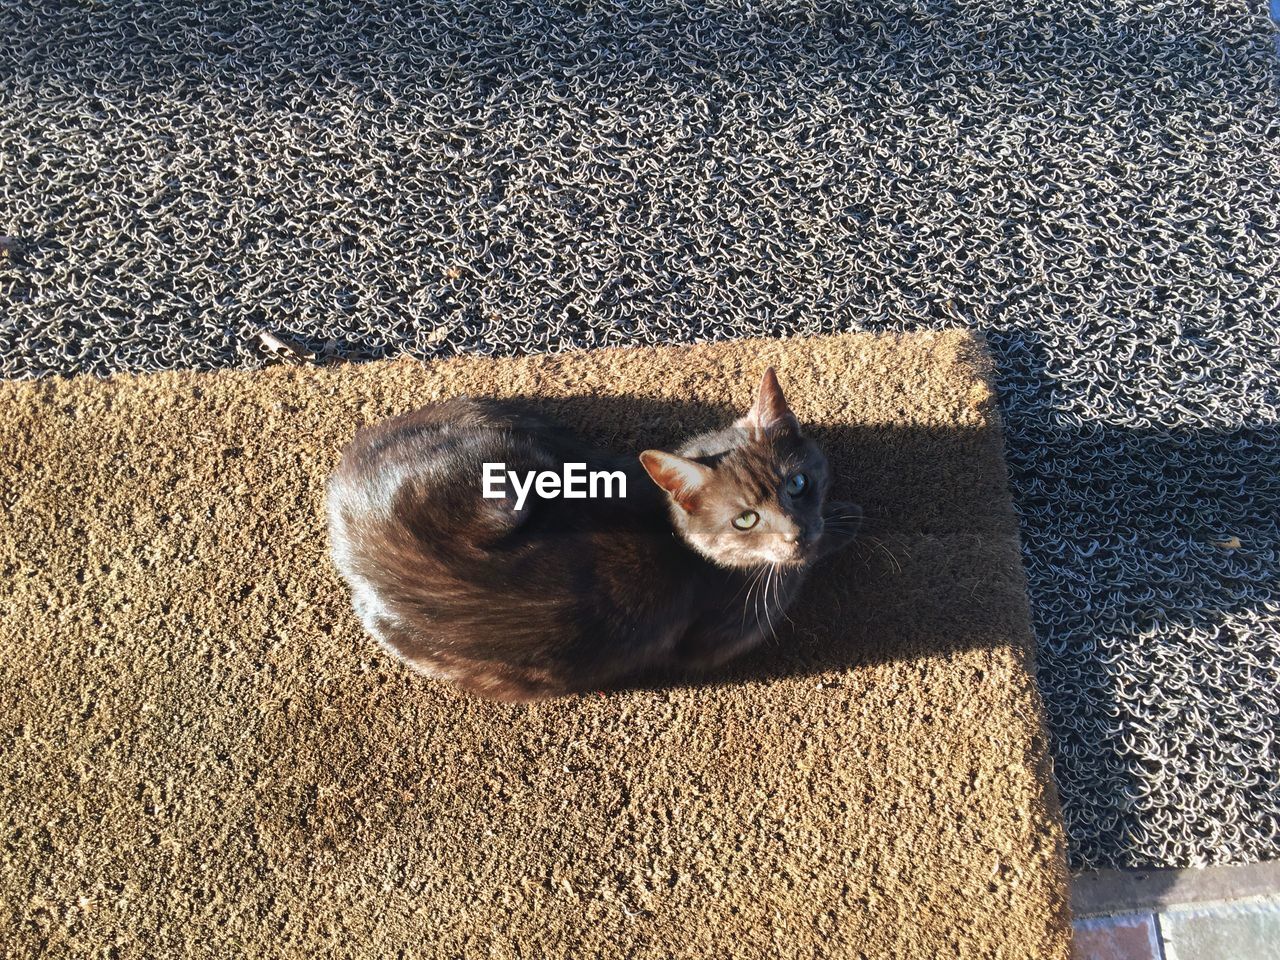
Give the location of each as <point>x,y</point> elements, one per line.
<point>681,478</point>
<point>770,413</point>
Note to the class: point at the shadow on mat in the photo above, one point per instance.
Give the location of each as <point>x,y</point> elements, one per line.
<point>936,535</point>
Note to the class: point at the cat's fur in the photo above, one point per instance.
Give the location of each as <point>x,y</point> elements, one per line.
<point>567,595</point>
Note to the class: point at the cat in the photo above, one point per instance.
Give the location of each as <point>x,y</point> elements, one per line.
<point>695,565</point>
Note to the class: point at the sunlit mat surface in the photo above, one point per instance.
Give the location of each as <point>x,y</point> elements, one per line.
<point>201,753</point>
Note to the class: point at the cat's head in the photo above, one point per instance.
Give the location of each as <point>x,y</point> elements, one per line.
<point>750,494</point>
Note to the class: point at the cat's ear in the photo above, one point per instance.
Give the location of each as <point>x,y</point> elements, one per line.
<point>770,414</point>
<point>681,478</point>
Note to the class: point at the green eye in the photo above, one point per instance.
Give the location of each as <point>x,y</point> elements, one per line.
<point>746,519</point>
<point>796,484</point>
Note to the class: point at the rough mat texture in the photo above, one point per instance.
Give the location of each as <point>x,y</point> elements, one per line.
<point>202,754</point>
<point>1096,183</point>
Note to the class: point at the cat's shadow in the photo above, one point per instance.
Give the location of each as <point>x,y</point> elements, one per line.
<point>934,570</point>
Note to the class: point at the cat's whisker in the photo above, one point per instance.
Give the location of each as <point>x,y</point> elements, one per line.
<point>750,588</point>
<point>850,522</point>
<point>899,540</point>
<point>756,605</point>
<point>777,593</point>
<point>768,606</point>
<point>768,600</point>
<point>881,526</point>
<point>747,602</point>
<point>887,552</point>
<point>773,633</point>
<point>746,586</point>
<point>760,597</point>
<point>865,552</point>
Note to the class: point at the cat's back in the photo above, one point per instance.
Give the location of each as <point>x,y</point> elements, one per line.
<point>409,525</point>
<point>442,574</point>
<point>422,473</point>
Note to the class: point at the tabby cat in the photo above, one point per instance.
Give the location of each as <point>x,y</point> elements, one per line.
<point>696,564</point>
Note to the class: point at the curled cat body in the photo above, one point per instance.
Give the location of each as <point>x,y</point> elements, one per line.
<point>521,601</point>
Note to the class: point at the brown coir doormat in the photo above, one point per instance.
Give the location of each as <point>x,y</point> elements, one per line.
<point>202,755</point>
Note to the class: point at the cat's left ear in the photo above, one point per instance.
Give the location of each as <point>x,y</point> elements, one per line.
<point>682,479</point>
<point>770,414</point>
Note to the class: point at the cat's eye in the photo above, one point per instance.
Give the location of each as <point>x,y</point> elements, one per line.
<point>746,519</point>
<point>797,483</point>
